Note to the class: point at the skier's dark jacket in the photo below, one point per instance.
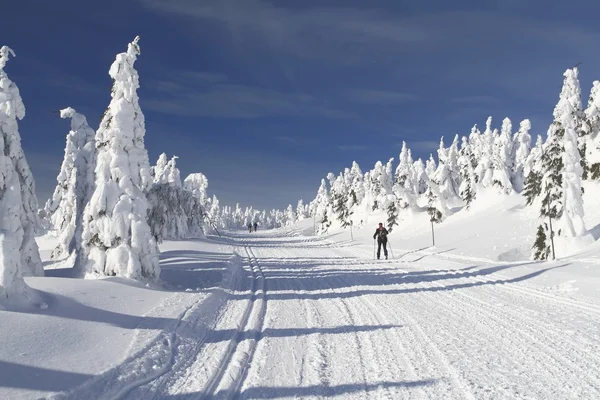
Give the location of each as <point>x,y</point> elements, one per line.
<point>381,235</point>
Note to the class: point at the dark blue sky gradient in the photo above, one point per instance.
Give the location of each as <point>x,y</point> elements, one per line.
<point>266,97</point>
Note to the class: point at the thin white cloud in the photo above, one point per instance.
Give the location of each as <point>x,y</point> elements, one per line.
<point>381,97</point>
<point>195,96</point>
<point>476,99</point>
<point>422,146</point>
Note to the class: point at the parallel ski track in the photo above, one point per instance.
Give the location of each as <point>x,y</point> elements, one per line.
<point>227,381</point>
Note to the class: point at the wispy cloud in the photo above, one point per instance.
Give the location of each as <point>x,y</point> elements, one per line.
<point>422,146</point>
<point>381,97</point>
<point>195,94</point>
<point>476,99</point>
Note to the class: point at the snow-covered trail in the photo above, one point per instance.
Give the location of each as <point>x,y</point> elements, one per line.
<point>339,324</point>
<point>313,318</point>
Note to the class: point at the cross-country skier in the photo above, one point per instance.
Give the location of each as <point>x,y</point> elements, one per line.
<point>381,235</point>
<point>255,226</point>
<point>250,227</point>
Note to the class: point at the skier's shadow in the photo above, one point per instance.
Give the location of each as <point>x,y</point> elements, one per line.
<point>424,255</point>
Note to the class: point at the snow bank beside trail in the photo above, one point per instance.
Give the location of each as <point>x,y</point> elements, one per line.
<point>497,232</point>
<point>92,325</point>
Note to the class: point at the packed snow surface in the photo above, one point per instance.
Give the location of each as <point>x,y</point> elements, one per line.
<point>285,314</point>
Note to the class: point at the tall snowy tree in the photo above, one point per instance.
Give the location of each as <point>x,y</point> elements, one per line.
<point>75,185</point>
<point>592,130</point>
<point>569,116</point>
<point>485,166</point>
<point>467,174</point>
<point>533,170</point>
<point>197,183</point>
<point>503,158</point>
<point>17,176</point>
<point>522,148</point>
<point>116,234</point>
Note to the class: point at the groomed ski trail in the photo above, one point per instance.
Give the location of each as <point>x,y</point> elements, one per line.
<point>311,318</point>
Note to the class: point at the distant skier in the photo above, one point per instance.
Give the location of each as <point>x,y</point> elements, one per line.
<point>381,235</point>
<point>255,226</point>
<point>250,227</point>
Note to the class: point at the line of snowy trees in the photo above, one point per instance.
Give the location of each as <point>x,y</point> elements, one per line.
<point>110,207</point>
<point>548,172</point>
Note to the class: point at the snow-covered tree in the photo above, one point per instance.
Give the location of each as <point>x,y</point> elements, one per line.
<point>592,130</point>
<point>158,171</point>
<point>430,166</point>
<point>403,171</point>
<point>197,183</point>
<point>75,185</point>
<point>290,215</point>
<point>568,111</point>
<point>467,173</point>
<point>300,211</point>
<point>116,234</point>
<point>503,158</point>
<point>445,179</point>
<point>485,167</point>
<point>435,215</point>
<point>522,148</point>
<point>532,171</point>
<point>16,176</point>
<point>420,177</point>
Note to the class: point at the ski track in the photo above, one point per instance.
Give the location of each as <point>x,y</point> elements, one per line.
<point>463,337</point>
<point>305,317</point>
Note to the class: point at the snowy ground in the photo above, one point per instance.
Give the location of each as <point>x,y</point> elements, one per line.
<point>282,314</point>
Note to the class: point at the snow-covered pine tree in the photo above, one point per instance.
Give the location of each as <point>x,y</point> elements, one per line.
<point>158,171</point>
<point>569,114</point>
<point>357,189</point>
<point>290,216</point>
<point>300,211</point>
<point>404,167</point>
<point>445,179</point>
<point>392,215</point>
<point>376,186</point>
<point>541,249</point>
<point>503,158</point>
<point>17,176</point>
<point>592,128</point>
<point>435,215</point>
<point>116,234</point>
<point>522,149</point>
<point>420,177</point>
<point>197,183</point>
<point>75,185</point>
<point>467,174</point>
<point>321,202</point>
<point>485,166</point>
<point>532,171</point>
<point>430,167</point>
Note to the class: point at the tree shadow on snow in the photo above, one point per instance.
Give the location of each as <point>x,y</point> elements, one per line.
<point>60,306</point>
<point>323,390</point>
<point>14,375</point>
<point>342,286</point>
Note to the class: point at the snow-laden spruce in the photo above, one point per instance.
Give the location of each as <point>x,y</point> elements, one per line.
<point>197,184</point>
<point>522,148</point>
<point>116,234</point>
<point>175,212</point>
<point>19,219</point>
<point>75,185</point>
<point>568,113</point>
<point>592,130</point>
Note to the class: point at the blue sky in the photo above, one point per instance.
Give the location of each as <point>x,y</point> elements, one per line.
<point>266,97</point>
